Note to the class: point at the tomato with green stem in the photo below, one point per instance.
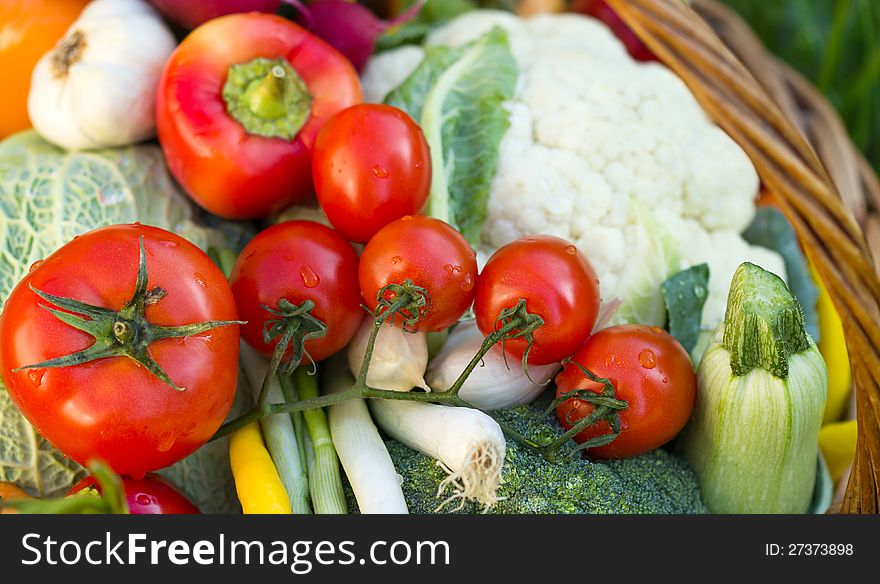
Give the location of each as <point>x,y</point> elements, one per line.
<point>648,369</point>
<point>558,285</point>
<point>298,275</point>
<point>425,258</point>
<point>239,107</point>
<point>371,166</point>
<point>122,345</point>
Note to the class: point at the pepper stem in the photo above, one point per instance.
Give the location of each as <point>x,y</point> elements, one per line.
<point>266,98</point>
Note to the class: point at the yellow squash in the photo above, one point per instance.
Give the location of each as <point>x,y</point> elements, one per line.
<point>838,444</point>
<point>257,482</point>
<point>832,345</point>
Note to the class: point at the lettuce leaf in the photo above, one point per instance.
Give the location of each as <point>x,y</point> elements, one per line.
<point>685,294</point>
<point>48,196</point>
<point>457,96</point>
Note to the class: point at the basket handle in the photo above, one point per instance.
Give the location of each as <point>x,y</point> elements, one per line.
<point>789,167</point>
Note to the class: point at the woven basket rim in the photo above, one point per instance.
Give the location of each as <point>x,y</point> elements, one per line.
<point>805,157</point>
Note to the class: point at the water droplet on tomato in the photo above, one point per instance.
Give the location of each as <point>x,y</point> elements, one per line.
<point>647,359</point>
<point>571,250</point>
<point>665,380</point>
<point>200,279</point>
<point>418,165</point>
<point>136,224</point>
<point>609,358</point>
<point>143,500</point>
<point>36,376</point>
<point>656,330</point>
<point>451,269</point>
<point>35,265</point>
<point>380,172</point>
<point>166,443</point>
<point>468,283</point>
<point>309,277</point>
<point>168,243</point>
<point>396,260</point>
<point>406,218</point>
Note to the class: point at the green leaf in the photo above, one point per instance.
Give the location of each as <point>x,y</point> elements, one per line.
<point>457,96</point>
<point>685,294</point>
<point>48,196</point>
<point>772,230</point>
<point>433,14</point>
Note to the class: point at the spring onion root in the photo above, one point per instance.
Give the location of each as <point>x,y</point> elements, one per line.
<point>467,443</point>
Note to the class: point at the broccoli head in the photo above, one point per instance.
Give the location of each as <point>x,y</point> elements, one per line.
<point>655,482</point>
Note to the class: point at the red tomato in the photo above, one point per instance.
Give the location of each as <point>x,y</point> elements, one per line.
<point>114,408</point>
<point>648,369</point>
<point>431,254</point>
<point>371,166</point>
<point>600,10</point>
<point>227,169</point>
<point>151,495</point>
<point>558,284</point>
<point>299,261</point>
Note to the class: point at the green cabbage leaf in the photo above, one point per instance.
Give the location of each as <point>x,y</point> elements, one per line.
<point>457,96</point>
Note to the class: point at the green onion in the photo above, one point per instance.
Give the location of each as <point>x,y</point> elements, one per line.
<point>325,480</point>
<point>280,436</point>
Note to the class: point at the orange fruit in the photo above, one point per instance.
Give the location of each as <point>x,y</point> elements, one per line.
<point>28,30</point>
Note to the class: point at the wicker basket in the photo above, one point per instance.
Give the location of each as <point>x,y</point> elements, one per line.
<point>803,154</point>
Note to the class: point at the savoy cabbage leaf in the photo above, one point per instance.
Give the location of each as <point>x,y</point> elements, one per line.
<point>48,196</point>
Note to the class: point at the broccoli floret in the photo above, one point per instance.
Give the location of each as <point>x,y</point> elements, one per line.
<point>655,482</point>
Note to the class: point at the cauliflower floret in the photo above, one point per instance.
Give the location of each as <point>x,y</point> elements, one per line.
<point>612,154</point>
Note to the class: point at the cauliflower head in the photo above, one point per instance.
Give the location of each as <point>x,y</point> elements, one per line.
<point>612,154</point>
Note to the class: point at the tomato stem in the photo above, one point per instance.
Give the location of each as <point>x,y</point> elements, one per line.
<point>607,407</point>
<point>123,333</point>
<point>293,327</point>
<point>409,301</point>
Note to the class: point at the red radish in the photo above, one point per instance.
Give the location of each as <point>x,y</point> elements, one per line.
<point>191,14</point>
<point>351,28</point>
<point>599,9</point>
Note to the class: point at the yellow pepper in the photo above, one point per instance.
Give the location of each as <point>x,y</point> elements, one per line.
<point>832,345</point>
<point>838,444</point>
<point>256,480</point>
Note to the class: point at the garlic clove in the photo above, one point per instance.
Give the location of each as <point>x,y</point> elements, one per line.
<point>399,357</point>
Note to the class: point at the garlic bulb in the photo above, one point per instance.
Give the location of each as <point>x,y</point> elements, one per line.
<point>97,87</point>
<point>399,357</point>
<point>494,384</point>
